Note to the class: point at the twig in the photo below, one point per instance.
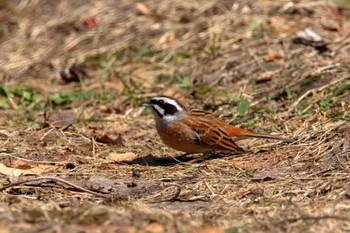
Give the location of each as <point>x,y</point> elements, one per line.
<point>172,198</point>
<point>33,161</point>
<point>315,90</point>
<point>314,218</point>
<point>55,179</point>
<point>209,188</point>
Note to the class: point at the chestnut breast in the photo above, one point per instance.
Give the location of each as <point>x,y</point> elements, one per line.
<point>180,137</point>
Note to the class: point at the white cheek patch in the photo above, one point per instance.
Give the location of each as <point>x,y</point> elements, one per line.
<point>170,118</point>
<point>159,110</point>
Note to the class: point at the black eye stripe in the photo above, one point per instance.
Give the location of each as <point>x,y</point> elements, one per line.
<point>152,101</point>
<point>169,109</point>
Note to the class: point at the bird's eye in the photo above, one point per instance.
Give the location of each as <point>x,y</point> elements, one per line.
<point>161,101</point>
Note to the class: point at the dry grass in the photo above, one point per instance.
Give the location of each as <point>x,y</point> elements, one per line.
<point>215,55</point>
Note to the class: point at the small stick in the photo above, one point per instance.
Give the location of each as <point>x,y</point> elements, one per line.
<point>314,218</point>
<point>176,195</point>
<point>55,179</point>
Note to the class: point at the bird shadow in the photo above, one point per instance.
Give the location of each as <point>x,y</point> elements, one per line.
<point>151,160</point>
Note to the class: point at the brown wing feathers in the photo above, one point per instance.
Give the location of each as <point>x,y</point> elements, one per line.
<point>231,131</point>
<point>210,133</point>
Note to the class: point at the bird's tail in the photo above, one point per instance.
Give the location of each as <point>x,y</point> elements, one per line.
<point>243,133</point>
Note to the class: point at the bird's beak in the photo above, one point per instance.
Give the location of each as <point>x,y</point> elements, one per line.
<point>146,104</point>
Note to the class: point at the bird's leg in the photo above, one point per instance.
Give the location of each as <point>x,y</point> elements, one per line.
<point>205,156</point>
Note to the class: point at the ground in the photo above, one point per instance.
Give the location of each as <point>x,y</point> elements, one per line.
<point>80,153</point>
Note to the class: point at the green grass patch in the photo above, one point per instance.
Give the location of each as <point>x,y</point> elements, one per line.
<point>250,124</point>
<point>24,98</point>
<point>64,98</point>
<point>202,90</point>
<point>243,105</point>
<point>308,81</point>
<point>250,173</point>
<point>182,81</point>
<point>7,151</point>
<point>141,50</point>
<point>181,56</point>
<point>94,119</point>
<point>341,88</point>
<point>288,92</point>
<point>324,104</point>
<point>232,230</point>
<point>20,97</point>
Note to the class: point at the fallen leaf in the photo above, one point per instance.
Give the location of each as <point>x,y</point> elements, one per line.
<point>59,119</point>
<point>119,157</point>
<point>153,227</point>
<point>340,152</point>
<point>310,38</point>
<point>9,170</point>
<point>273,57</point>
<point>265,175</point>
<point>208,228</point>
<point>334,9</point>
<point>167,37</point>
<point>272,174</point>
<point>21,164</point>
<point>37,170</point>
<point>110,139</point>
<point>330,27</point>
<point>143,9</point>
<point>90,22</point>
<point>279,23</point>
<point>263,79</point>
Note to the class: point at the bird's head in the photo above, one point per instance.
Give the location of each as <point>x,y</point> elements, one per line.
<point>165,108</point>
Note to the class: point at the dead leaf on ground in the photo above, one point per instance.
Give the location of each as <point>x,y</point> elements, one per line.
<point>64,158</point>
<point>21,164</point>
<point>280,23</point>
<point>335,9</point>
<point>37,170</point>
<point>168,37</point>
<point>208,228</point>
<point>145,10</point>
<point>263,79</point>
<point>59,119</point>
<point>274,57</point>
<point>154,227</point>
<point>4,134</point>
<point>271,174</point>
<point>110,139</point>
<point>310,38</point>
<point>340,151</point>
<point>120,157</point>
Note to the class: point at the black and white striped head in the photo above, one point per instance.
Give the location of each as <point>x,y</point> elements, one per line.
<point>165,108</point>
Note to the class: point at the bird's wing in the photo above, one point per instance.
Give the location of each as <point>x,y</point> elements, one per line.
<point>209,131</point>
<point>232,131</point>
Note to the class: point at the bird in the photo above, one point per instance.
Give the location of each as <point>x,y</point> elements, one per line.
<point>196,131</point>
